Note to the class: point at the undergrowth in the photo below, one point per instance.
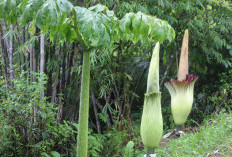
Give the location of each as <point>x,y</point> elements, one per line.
<point>213,138</point>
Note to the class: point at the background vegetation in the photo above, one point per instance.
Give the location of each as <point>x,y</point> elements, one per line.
<point>40,76</point>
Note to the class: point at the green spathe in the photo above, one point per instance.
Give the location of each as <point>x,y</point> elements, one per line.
<point>152,123</point>
<point>181,100</point>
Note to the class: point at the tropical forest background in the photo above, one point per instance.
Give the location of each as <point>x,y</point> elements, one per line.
<point>41,58</point>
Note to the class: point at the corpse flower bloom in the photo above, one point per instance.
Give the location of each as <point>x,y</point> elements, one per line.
<point>181,90</point>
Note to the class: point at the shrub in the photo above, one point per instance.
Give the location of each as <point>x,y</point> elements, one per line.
<point>28,122</point>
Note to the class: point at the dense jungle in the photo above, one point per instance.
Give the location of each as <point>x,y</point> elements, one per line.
<point>115,78</point>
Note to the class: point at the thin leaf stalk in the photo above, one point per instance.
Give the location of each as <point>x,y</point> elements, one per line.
<point>78,33</point>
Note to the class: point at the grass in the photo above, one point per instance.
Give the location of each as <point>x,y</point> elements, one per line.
<point>214,139</point>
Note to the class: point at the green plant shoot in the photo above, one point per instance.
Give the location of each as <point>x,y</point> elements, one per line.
<point>152,122</point>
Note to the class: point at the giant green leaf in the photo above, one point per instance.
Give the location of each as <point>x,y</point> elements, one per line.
<point>30,10</point>
<point>47,15</point>
<point>64,6</point>
<point>139,26</point>
<point>95,27</point>
<point>125,25</point>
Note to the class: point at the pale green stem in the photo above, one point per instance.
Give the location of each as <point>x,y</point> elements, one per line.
<point>82,140</point>
<point>149,152</point>
<point>178,128</point>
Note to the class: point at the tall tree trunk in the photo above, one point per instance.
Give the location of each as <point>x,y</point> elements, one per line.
<point>54,91</point>
<point>9,47</point>
<point>63,68</point>
<point>6,40</point>
<point>67,76</point>
<point>49,83</point>
<point>108,98</point>
<point>34,67</point>
<point>34,62</point>
<point>42,54</point>
<point>60,110</point>
<point>4,53</point>
<point>42,61</point>
<point>74,62</point>
<point>31,62</point>
<point>10,55</point>
<point>23,41</point>
<point>33,77</point>
<point>95,112</point>
<point>70,64</point>
<point>49,86</point>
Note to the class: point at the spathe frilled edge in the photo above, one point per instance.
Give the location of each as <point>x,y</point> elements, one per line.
<point>190,79</point>
<point>176,86</point>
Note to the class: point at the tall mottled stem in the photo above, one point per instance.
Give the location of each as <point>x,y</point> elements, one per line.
<point>82,140</point>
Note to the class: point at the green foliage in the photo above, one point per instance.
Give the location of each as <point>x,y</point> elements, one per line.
<point>114,142</point>
<point>50,16</point>
<point>218,96</point>
<point>121,69</point>
<point>126,143</point>
<point>21,134</point>
<point>128,151</point>
<point>9,10</point>
<point>47,15</point>
<point>51,13</point>
<point>95,27</point>
<point>30,9</point>
<point>139,26</point>
<point>55,154</point>
<point>94,30</point>
<point>209,23</point>
<point>95,144</point>
<point>64,6</point>
<point>214,135</point>
<point>99,27</point>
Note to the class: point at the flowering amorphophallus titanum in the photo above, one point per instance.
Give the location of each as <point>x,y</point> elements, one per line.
<point>152,123</point>
<point>181,90</point>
